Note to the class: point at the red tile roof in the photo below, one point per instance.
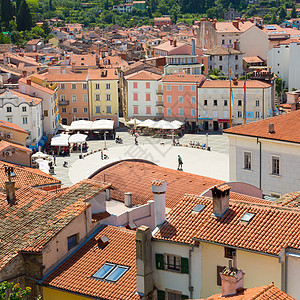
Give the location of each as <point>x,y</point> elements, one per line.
<point>95,74</point>
<point>26,176</point>
<point>184,78</point>
<point>27,98</point>
<point>66,77</point>
<point>286,128</point>
<point>12,126</point>
<point>136,177</point>
<point>265,292</point>
<point>289,200</point>
<point>143,75</point>
<point>222,51</point>
<point>4,145</point>
<point>37,216</point>
<point>271,229</point>
<point>75,274</point>
<point>240,84</point>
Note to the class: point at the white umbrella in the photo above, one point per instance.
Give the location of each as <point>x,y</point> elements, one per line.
<point>81,125</point>
<point>77,138</point>
<point>177,123</point>
<point>162,124</point>
<point>40,155</point>
<point>60,140</point>
<point>43,165</point>
<point>146,123</point>
<point>134,121</point>
<point>103,125</point>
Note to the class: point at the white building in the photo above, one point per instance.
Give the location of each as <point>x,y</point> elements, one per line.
<point>143,94</point>
<point>266,154</point>
<point>284,61</point>
<point>214,105</point>
<point>50,115</point>
<point>25,111</point>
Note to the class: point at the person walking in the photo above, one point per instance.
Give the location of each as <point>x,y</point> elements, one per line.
<point>180,163</point>
<point>102,155</point>
<point>54,160</point>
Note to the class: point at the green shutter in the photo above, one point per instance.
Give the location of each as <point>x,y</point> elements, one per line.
<point>161,295</point>
<point>183,297</point>
<point>184,265</point>
<point>159,261</point>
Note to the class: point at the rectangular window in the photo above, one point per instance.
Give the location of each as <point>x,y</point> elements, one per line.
<point>62,97</point>
<point>180,88</point>
<point>275,165</point>
<point>169,99</point>
<point>239,102</point>
<point>168,87</point>
<point>221,68</point>
<point>219,270</point>
<point>10,119</point>
<point>215,102</point>
<point>74,98</point>
<point>85,110</point>
<point>45,113</point>
<point>108,109</point>
<point>147,85</point>
<point>257,114</point>
<point>220,58</point>
<point>239,114</point>
<point>25,120</point>
<point>24,108</point>
<point>148,97</point>
<point>193,112</point>
<point>72,241</point>
<point>225,102</point>
<point>84,86</point>
<point>180,99</point>
<point>173,262</point>
<point>247,160</point>
<point>108,86</point>
<point>135,85</point>
<point>257,103</point>
<point>236,67</point>
<point>135,110</point>
<point>229,252</point>
<point>193,99</point>
<point>97,97</point>
<point>63,110</point>
<point>8,109</point>
<point>110,272</point>
<point>205,103</point>
<point>62,86</point>
<point>169,111</point>
<point>193,88</point>
<point>98,109</point>
<point>148,110</point>
<point>135,97</point>
<point>97,86</point>
<point>236,57</point>
<point>73,86</point>
<point>84,98</point>
<point>108,97</point>
<point>180,111</point>
<point>74,110</point>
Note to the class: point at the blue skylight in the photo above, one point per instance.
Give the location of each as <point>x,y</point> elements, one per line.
<point>117,272</point>
<point>199,208</point>
<point>110,272</point>
<point>247,217</point>
<point>104,271</point>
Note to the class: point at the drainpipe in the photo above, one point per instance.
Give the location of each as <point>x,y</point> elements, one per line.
<point>282,261</point>
<point>263,103</point>
<point>191,288</point>
<point>259,142</point>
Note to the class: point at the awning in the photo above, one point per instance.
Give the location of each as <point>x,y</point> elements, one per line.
<point>146,123</point>
<point>103,125</point>
<point>81,125</point>
<point>60,140</point>
<point>166,125</point>
<point>77,138</point>
<point>223,120</point>
<point>177,123</point>
<point>133,121</point>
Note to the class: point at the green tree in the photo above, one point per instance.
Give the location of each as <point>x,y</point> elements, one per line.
<point>293,12</point>
<point>14,291</point>
<point>18,3</point>
<point>6,12</point>
<point>274,18</point>
<point>282,13</point>
<point>24,19</point>
<point>279,86</point>
<point>46,28</point>
<point>51,7</point>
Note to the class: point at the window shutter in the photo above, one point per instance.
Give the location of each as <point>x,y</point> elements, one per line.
<point>183,297</point>
<point>161,295</point>
<point>184,265</point>
<point>159,261</point>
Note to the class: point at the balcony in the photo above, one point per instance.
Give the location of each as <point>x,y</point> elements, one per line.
<point>159,92</point>
<point>159,103</point>
<point>63,102</point>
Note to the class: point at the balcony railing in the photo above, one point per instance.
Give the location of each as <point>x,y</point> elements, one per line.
<point>63,102</point>
<point>159,91</point>
<point>159,103</point>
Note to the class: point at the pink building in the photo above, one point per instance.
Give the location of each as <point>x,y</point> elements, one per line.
<point>181,97</point>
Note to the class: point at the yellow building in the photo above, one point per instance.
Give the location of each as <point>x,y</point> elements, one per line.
<point>103,94</point>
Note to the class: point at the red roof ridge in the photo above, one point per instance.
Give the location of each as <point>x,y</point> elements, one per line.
<point>263,290</point>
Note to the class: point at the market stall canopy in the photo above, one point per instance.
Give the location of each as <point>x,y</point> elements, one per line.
<point>60,140</point>
<point>77,138</point>
<point>146,123</point>
<point>166,125</point>
<point>40,155</point>
<point>81,125</point>
<point>62,127</point>
<point>133,121</point>
<point>177,123</point>
<point>103,125</point>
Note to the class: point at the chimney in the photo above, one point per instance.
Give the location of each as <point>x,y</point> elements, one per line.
<point>220,195</point>
<point>193,47</point>
<point>252,20</point>
<point>171,42</point>
<point>235,45</point>
<point>97,60</point>
<point>144,279</point>
<point>271,128</point>
<point>175,43</point>
<point>232,281</point>
<point>158,189</point>
<point>37,58</point>
<point>24,73</point>
<point>28,81</point>
<point>235,24</point>
<point>128,199</point>
<point>10,192</point>
<point>103,241</point>
<point>73,66</point>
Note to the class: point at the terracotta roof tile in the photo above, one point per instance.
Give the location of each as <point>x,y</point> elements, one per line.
<point>136,177</point>
<point>265,292</point>
<point>37,216</point>
<point>95,74</point>
<point>240,84</point>
<point>272,227</point>
<point>286,128</point>
<point>26,176</point>
<point>222,51</point>
<point>66,77</point>
<point>4,145</point>
<point>143,75</point>
<point>11,126</point>
<point>289,200</point>
<point>75,274</point>
<point>184,78</point>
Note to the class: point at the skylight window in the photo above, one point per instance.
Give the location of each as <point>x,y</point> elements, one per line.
<point>110,272</point>
<point>247,217</point>
<point>198,208</point>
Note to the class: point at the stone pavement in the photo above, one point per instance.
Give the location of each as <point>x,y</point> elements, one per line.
<point>214,163</point>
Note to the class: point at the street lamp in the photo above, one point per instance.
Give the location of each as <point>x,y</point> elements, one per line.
<point>105,132</point>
